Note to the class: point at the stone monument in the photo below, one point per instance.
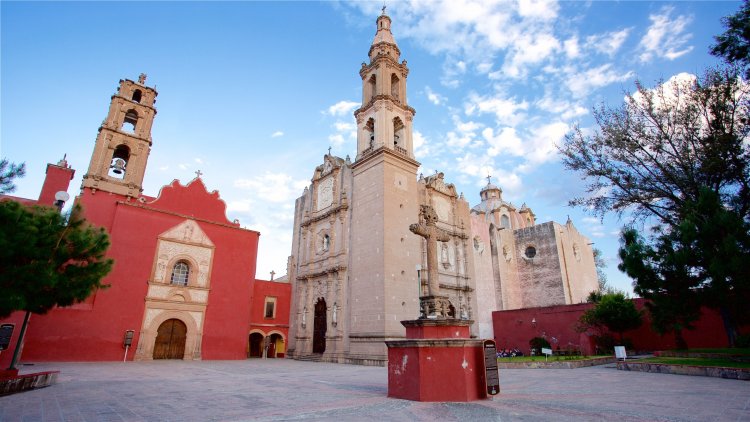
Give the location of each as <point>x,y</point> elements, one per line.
<point>438,361</point>
<point>433,306</point>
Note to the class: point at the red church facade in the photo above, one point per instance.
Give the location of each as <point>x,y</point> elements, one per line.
<point>183,281</point>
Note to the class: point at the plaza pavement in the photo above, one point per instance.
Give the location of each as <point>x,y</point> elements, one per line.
<point>281,389</point>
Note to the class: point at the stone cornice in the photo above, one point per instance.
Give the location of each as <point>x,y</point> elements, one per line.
<point>320,273</point>
<point>335,210</point>
<point>407,109</point>
<point>368,155</point>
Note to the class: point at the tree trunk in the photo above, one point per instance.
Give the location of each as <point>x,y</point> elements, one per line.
<point>679,340</point>
<point>729,326</point>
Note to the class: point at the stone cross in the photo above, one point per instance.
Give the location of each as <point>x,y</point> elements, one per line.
<point>432,234</point>
<point>142,78</point>
<point>198,173</point>
<point>489,179</point>
<point>329,150</point>
<point>273,273</point>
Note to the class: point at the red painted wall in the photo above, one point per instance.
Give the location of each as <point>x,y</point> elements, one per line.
<point>515,328</point>
<point>94,330</point>
<point>282,291</point>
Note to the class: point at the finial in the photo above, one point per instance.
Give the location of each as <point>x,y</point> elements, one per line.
<point>383,8</point>
<point>64,161</point>
<point>329,150</point>
<point>198,173</point>
<point>142,78</point>
<point>489,179</point>
<point>273,273</point>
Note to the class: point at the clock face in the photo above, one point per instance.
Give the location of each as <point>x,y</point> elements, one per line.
<point>325,194</point>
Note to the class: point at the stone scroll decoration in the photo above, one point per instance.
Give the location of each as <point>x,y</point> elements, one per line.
<point>434,305</point>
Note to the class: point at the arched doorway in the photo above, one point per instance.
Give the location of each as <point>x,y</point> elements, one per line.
<point>256,345</point>
<point>275,345</point>
<point>320,325</point>
<point>170,340</point>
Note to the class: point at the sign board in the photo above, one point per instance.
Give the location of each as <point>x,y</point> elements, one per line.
<point>491,376</point>
<point>6,331</point>
<point>546,351</point>
<point>620,352</point>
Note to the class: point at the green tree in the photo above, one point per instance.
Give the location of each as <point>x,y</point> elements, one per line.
<point>46,260</point>
<point>661,155</point>
<point>663,275</point>
<point>657,150</point>
<point>703,260</point>
<point>613,311</point>
<point>734,44</point>
<point>8,172</point>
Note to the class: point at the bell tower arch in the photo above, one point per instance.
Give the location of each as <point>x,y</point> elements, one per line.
<point>385,119</point>
<point>118,163</point>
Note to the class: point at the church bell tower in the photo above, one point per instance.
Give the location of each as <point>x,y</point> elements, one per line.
<point>383,282</point>
<point>118,163</point>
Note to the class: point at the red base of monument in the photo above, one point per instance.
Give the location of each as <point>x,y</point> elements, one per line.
<point>437,362</point>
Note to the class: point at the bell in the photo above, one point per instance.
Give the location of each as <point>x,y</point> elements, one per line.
<point>118,166</point>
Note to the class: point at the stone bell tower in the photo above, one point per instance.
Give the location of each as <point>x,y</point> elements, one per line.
<point>384,288</point>
<point>118,163</point>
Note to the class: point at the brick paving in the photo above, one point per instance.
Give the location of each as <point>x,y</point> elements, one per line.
<point>279,390</point>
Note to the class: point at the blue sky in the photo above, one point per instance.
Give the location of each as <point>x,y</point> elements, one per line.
<point>254,93</point>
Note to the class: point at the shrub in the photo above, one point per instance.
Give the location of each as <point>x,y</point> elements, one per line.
<point>537,343</point>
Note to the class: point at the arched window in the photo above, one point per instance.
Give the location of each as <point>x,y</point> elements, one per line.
<point>119,164</point>
<point>131,120</point>
<point>370,130</point>
<point>180,273</point>
<point>137,95</point>
<point>395,87</point>
<point>373,87</point>
<point>504,221</point>
<point>398,133</point>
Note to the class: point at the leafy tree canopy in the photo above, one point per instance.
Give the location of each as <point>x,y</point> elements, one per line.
<point>615,312</point>
<point>46,261</point>
<point>663,145</point>
<point>8,172</point>
<point>734,44</point>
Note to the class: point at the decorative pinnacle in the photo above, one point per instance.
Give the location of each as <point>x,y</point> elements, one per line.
<point>198,173</point>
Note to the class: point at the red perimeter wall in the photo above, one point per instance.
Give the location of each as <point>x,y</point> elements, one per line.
<point>514,329</point>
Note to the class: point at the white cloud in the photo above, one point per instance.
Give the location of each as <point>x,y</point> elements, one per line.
<point>183,166</point>
<point>608,43</point>
<point>198,160</point>
<point>506,110</point>
<point>666,37</point>
<point>342,108</point>
<point>571,47</point>
<point>272,187</point>
<point>507,141</point>
<point>539,9</point>
<point>581,84</point>
<point>277,134</point>
<point>542,145</point>
<point>421,145</point>
<point>434,97</point>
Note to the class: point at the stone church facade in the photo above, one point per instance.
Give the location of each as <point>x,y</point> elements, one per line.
<point>356,269</point>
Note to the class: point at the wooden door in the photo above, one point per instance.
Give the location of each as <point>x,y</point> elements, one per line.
<point>170,340</point>
<point>319,327</point>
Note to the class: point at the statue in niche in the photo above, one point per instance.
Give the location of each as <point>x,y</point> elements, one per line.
<point>445,256</point>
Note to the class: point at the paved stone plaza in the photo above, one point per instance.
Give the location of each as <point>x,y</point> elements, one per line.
<point>270,390</point>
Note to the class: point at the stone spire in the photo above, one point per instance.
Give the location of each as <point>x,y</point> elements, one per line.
<point>384,41</point>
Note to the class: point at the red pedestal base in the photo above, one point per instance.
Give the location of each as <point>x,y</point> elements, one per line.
<point>437,362</point>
